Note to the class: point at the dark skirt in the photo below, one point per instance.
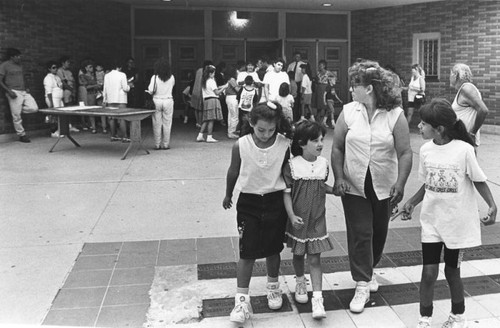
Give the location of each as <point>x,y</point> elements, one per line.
<point>261,224</point>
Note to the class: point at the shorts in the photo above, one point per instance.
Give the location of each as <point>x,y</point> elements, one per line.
<point>431,254</point>
<point>261,224</point>
<point>306,98</point>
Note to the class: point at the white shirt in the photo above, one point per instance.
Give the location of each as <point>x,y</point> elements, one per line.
<point>115,88</point>
<point>242,75</point>
<point>260,169</point>
<point>467,113</point>
<point>307,84</point>
<point>274,80</point>
<point>370,145</point>
<point>209,90</point>
<point>298,71</point>
<point>163,89</point>
<point>449,209</point>
<point>53,85</point>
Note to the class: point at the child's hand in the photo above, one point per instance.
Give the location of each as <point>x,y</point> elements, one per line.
<point>407,211</point>
<point>491,217</point>
<point>227,203</point>
<point>297,222</point>
<point>328,189</point>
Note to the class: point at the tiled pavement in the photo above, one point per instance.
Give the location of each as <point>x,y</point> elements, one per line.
<point>89,240</point>
<point>109,283</point>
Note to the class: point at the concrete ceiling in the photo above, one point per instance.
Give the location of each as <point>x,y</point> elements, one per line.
<point>336,5</point>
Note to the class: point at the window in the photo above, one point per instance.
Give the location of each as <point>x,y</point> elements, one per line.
<point>426,52</point>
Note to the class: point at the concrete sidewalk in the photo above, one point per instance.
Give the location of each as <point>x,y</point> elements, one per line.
<point>61,209</point>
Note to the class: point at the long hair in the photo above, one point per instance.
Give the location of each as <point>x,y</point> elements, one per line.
<point>270,112</point>
<point>206,74</point>
<point>303,132</point>
<point>163,69</point>
<point>284,89</point>
<point>419,69</point>
<point>386,86</point>
<point>439,113</point>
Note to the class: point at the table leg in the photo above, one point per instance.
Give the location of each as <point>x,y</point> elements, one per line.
<point>63,126</point>
<point>135,137</point>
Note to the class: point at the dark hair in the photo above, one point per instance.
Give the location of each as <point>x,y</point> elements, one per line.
<point>85,63</point>
<point>207,62</point>
<point>279,60</point>
<point>270,112</point>
<point>206,73</point>
<point>162,69</point>
<point>307,68</point>
<point>64,59</point>
<point>231,72</point>
<point>439,113</point>
<point>51,63</point>
<point>385,85</point>
<point>117,63</point>
<point>249,80</point>
<point>284,89</point>
<point>12,52</point>
<point>303,132</point>
<point>322,61</point>
<point>291,75</point>
<point>240,64</point>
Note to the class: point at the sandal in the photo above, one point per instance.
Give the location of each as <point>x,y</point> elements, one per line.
<point>125,140</point>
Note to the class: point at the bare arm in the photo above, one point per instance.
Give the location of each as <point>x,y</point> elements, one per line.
<point>296,221</point>
<point>484,191</point>
<point>473,99</point>
<point>414,200</point>
<point>405,158</point>
<point>337,158</point>
<point>232,175</point>
<point>11,93</point>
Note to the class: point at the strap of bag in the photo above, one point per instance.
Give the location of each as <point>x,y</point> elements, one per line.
<point>154,88</point>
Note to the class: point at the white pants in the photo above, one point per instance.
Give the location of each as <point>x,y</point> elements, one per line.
<point>57,102</point>
<point>232,114</point>
<point>23,103</point>
<point>162,121</point>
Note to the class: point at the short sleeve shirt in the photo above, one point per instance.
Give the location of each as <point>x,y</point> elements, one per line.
<point>12,75</point>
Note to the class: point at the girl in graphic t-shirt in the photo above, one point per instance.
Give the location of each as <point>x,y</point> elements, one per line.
<point>449,218</point>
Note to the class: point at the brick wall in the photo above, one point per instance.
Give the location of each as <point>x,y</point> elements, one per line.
<point>470,33</point>
<point>47,29</point>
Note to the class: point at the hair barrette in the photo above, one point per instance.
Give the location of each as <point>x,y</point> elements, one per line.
<point>272,105</point>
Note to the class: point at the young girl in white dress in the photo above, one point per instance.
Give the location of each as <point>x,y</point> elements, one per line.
<point>305,195</point>
<point>449,218</point>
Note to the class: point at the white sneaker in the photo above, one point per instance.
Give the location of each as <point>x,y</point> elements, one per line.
<point>211,139</point>
<point>455,321</point>
<point>373,284</point>
<point>200,138</point>
<point>185,119</point>
<point>274,298</point>
<point>424,322</point>
<point>361,297</point>
<point>56,134</point>
<point>318,308</point>
<point>301,292</point>
<point>73,129</point>
<point>242,309</point>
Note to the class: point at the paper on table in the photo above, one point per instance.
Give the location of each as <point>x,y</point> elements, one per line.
<point>70,108</point>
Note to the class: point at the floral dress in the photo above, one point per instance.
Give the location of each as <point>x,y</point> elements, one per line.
<point>306,182</point>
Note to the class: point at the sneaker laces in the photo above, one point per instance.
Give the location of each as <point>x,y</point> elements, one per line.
<point>273,294</point>
<point>242,307</point>
<point>424,322</point>
<point>451,320</point>
<point>360,295</point>
<point>301,288</point>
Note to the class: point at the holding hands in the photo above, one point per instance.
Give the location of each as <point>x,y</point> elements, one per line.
<point>297,222</point>
<point>491,217</point>
<point>340,187</point>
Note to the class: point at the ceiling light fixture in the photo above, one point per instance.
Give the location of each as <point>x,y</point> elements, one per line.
<point>327,5</point>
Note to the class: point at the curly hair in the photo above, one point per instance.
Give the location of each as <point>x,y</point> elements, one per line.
<point>163,69</point>
<point>385,86</point>
<point>462,73</point>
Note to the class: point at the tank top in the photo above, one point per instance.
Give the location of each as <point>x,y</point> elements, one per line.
<point>466,113</point>
<point>260,169</point>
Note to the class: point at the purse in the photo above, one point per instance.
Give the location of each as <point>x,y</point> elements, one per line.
<point>148,98</point>
<point>420,98</point>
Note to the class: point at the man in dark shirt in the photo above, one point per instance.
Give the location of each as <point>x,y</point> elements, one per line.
<point>20,100</point>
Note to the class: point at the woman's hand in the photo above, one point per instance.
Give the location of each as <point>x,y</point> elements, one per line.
<point>407,211</point>
<point>297,222</point>
<point>340,187</point>
<point>396,193</point>
<point>227,203</point>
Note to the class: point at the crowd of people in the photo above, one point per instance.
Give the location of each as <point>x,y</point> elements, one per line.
<point>283,189</point>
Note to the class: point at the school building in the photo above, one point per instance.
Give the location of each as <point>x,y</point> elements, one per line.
<point>435,34</point>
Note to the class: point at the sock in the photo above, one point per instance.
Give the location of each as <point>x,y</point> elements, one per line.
<point>272,279</point>
<point>458,308</point>
<point>242,290</point>
<point>300,279</point>
<point>426,311</point>
<point>317,294</point>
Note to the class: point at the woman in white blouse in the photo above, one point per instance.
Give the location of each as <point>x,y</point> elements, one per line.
<point>416,90</point>
<point>371,160</point>
<point>53,86</point>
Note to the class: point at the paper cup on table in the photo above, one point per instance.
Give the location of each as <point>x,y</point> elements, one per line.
<point>82,103</point>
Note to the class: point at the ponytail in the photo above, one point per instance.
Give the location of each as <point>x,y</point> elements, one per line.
<point>459,131</point>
